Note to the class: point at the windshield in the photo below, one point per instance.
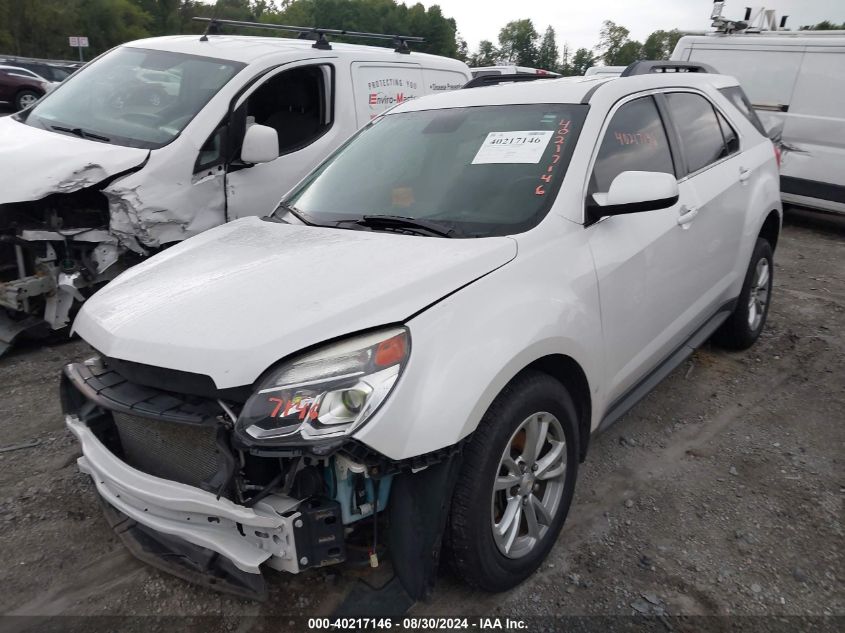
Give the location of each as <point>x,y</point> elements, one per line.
<point>480,171</point>
<point>133,97</point>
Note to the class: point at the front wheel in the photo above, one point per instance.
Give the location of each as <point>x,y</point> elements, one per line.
<point>515,485</point>
<point>743,327</point>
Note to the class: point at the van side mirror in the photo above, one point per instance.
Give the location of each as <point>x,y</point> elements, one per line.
<point>633,192</point>
<point>261,144</point>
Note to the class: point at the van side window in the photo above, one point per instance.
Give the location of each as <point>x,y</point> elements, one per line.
<point>635,141</point>
<point>728,135</point>
<point>211,153</point>
<point>736,96</point>
<point>296,103</point>
<point>695,120</point>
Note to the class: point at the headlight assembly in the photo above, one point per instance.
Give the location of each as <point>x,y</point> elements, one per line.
<point>326,393</point>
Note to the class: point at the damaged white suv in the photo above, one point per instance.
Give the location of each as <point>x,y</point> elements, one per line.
<point>417,345</point>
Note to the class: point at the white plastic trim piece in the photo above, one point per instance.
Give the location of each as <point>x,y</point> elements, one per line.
<point>194,515</point>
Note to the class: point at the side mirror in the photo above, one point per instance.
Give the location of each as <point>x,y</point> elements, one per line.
<point>261,144</point>
<point>633,192</point>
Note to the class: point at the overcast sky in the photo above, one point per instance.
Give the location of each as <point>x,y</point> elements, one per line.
<point>578,21</point>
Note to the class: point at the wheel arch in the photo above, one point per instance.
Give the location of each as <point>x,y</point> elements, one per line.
<point>567,371</point>
<point>770,231</point>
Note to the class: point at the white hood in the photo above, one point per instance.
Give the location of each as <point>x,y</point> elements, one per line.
<point>36,163</point>
<point>238,298</point>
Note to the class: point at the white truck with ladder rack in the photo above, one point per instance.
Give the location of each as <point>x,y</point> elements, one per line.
<point>163,138</point>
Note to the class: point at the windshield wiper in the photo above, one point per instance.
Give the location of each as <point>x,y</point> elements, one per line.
<point>399,221</point>
<point>78,131</point>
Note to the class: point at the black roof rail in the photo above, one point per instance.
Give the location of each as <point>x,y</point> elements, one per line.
<point>305,32</point>
<point>645,67</point>
<point>492,80</point>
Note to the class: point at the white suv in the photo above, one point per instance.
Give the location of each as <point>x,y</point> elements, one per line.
<point>427,331</point>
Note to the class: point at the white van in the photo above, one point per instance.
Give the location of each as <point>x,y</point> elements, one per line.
<point>483,71</point>
<point>160,139</point>
<point>605,71</point>
<point>797,80</point>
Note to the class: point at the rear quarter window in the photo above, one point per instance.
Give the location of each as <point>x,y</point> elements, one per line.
<point>737,97</point>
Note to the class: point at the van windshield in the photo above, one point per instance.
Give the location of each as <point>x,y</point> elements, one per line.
<point>133,97</point>
<point>471,172</point>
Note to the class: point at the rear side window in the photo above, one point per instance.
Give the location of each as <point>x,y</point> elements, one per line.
<point>634,140</point>
<point>701,136</point>
<point>736,96</point>
<point>728,135</point>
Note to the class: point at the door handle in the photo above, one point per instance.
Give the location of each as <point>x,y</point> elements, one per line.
<point>687,215</point>
<point>744,174</point>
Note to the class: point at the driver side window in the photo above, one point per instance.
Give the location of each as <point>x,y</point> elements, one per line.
<point>635,140</point>
<point>296,103</point>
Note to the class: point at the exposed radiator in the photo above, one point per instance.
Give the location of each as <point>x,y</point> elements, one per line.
<point>178,452</point>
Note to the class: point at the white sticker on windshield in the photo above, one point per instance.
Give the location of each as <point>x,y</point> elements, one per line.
<point>525,146</point>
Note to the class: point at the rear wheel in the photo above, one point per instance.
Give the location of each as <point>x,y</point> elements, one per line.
<point>746,323</point>
<point>26,98</point>
<point>516,484</point>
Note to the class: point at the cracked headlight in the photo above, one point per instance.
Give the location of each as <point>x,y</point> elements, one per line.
<point>328,392</point>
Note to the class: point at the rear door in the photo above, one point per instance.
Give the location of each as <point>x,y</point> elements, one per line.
<point>443,80</point>
<point>7,85</point>
<point>378,86</point>
<point>715,183</point>
<point>815,127</point>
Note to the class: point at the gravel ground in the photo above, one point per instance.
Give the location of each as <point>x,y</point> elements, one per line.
<point>721,493</point>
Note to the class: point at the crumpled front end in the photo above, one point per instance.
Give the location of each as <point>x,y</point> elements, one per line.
<point>187,498</point>
<point>51,251</point>
<point>74,213</point>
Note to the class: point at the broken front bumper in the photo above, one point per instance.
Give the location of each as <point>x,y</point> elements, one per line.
<point>171,517</point>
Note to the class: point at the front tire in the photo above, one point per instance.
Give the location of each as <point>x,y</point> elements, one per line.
<point>515,485</point>
<point>743,327</point>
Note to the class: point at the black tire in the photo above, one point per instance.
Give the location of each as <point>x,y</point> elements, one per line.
<point>22,99</point>
<point>738,332</point>
<point>471,546</point>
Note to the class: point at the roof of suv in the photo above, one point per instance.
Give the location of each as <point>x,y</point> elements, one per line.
<point>249,49</point>
<point>564,90</point>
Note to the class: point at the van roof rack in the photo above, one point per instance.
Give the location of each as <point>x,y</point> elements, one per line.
<point>645,67</point>
<point>305,32</point>
<point>492,80</point>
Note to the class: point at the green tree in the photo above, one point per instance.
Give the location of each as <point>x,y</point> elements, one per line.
<point>824,25</point>
<point>547,54</point>
<point>111,22</point>
<point>486,55</point>
<point>40,28</point>
<point>463,49</point>
<point>518,43</point>
<point>582,60</point>
<point>615,47</point>
<point>660,44</point>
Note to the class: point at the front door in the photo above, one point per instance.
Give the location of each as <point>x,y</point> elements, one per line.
<point>298,101</point>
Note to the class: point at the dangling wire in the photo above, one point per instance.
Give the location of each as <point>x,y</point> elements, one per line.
<point>374,551</point>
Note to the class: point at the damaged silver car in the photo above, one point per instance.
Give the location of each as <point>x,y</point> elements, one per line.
<point>161,139</point>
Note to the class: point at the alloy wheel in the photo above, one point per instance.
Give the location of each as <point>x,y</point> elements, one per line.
<point>528,485</point>
<point>27,100</point>
<point>758,297</point>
